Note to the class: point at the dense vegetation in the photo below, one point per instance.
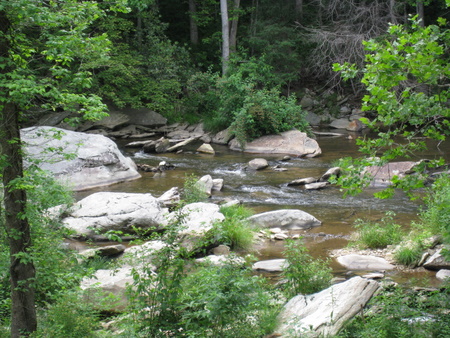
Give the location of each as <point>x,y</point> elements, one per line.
<point>74,56</point>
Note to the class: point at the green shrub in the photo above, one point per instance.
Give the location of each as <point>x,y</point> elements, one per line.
<point>378,235</point>
<point>436,216</point>
<point>402,313</point>
<point>68,317</point>
<point>226,301</point>
<point>409,254</point>
<point>234,231</point>
<point>192,191</point>
<point>304,274</point>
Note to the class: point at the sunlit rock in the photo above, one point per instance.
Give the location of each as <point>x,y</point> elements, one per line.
<point>82,161</point>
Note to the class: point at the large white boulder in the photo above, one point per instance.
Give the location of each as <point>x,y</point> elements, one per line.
<point>285,218</point>
<point>293,142</point>
<point>105,211</point>
<point>82,161</point>
<point>323,314</point>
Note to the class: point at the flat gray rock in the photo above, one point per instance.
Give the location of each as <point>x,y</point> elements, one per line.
<point>285,218</point>
<point>363,262</point>
<point>271,265</point>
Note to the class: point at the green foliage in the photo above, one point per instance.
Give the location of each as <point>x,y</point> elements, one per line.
<point>248,99</point>
<point>193,190</point>
<point>409,254</point>
<point>226,301</point>
<point>436,215</point>
<point>399,312</point>
<point>234,230</point>
<point>375,235</point>
<point>406,76</point>
<point>304,274</point>
<point>68,317</point>
<point>60,38</point>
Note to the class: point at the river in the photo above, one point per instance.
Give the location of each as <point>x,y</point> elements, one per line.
<point>267,189</point>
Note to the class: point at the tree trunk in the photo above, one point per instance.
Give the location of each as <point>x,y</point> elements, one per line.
<point>420,13</point>
<point>23,312</point>
<point>193,23</point>
<point>225,36</point>
<point>299,10</point>
<point>234,26</point>
<point>392,13</point>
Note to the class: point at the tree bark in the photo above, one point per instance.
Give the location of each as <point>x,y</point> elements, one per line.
<point>392,13</point>
<point>193,23</point>
<point>225,36</point>
<point>420,12</point>
<point>299,10</point>
<point>22,271</point>
<point>234,26</point>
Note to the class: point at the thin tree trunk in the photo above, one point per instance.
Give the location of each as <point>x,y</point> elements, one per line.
<point>420,12</point>
<point>193,23</point>
<point>234,26</point>
<point>225,36</point>
<point>299,10</point>
<point>22,271</point>
<point>392,13</point>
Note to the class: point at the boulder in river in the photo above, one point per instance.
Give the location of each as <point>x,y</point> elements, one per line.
<point>293,142</point>
<point>104,211</point>
<point>258,164</point>
<point>285,218</point>
<point>83,161</point>
<point>364,262</point>
<point>323,314</point>
<point>382,175</point>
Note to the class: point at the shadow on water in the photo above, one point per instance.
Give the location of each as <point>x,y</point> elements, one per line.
<point>267,189</point>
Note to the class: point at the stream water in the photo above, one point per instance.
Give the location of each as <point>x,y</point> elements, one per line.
<point>267,190</point>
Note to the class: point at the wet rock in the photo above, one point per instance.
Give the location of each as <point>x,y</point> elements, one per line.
<point>330,172</point>
<point>302,181</point>
<point>355,125</point>
<point>111,250</point>
<point>206,148</point>
<point>258,164</point>
<point>181,144</point>
<point>286,219</point>
<point>316,186</point>
<point>340,123</point>
<point>161,145</point>
<point>97,160</point>
<point>293,142</point>
<point>271,265</point>
<point>323,314</point>
<point>363,262</point>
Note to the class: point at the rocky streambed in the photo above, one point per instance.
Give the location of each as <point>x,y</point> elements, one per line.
<point>270,186</point>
